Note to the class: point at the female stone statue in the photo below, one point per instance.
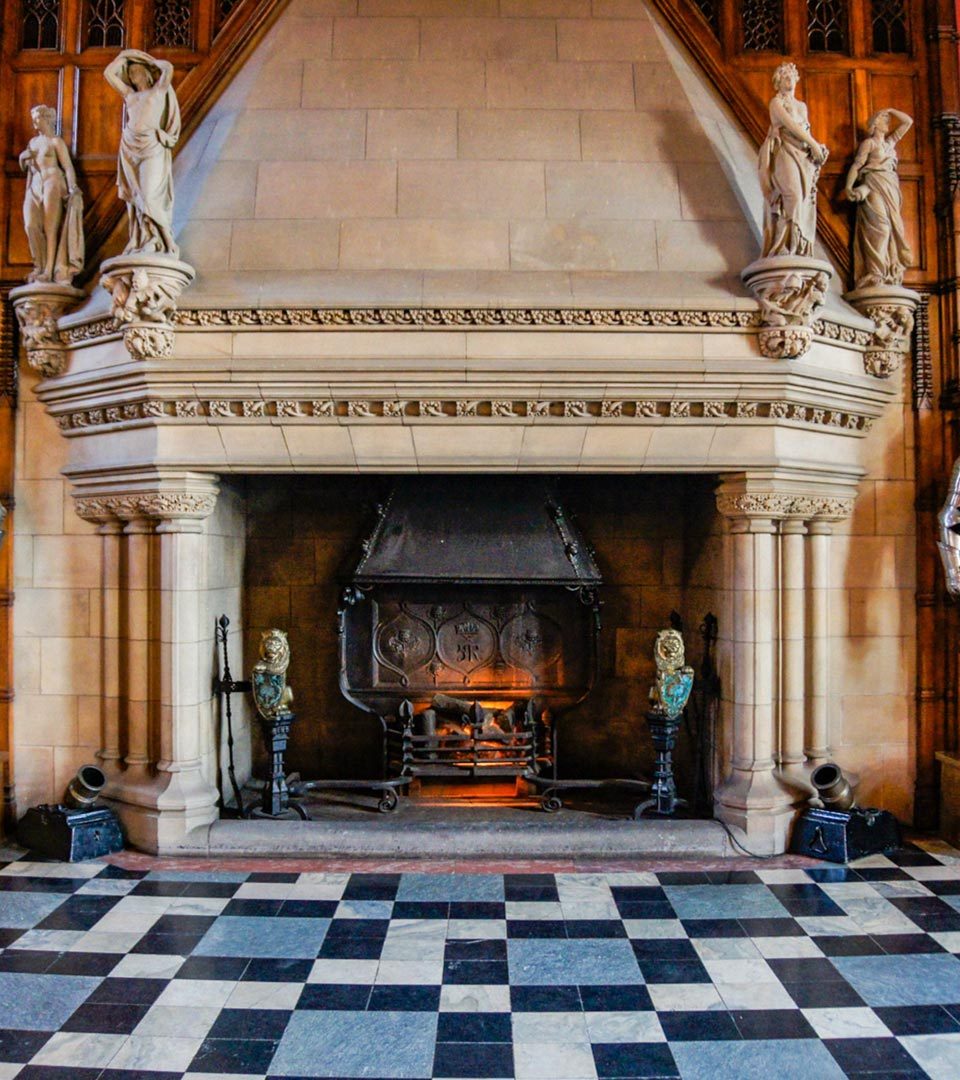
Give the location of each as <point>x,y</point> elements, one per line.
<point>881,253</point>
<point>790,160</point>
<point>52,204</point>
<point>151,129</point>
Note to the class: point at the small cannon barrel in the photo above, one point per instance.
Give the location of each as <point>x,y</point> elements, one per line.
<point>833,787</point>
<point>84,789</point>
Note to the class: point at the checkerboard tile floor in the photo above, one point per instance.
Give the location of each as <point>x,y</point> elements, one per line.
<point>112,973</point>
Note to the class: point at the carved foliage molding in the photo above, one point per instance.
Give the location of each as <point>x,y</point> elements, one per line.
<point>776,504</point>
<point>484,409</point>
<point>156,504</point>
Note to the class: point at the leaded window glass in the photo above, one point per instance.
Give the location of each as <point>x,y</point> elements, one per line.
<point>41,24</point>
<point>710,9</point>
<point>889,26</point>
<point>105,28</point>
<point>224,7</point>
<point>173,23</point>
<point>762,22</point>
<point>826,26</point>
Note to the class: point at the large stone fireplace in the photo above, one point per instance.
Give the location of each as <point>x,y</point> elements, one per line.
<point>380,294</point>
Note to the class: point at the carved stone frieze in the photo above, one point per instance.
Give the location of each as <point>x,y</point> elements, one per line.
<point>584,319</point>
<point>777,504</point>
<point>892,309</point>
<point>473,409</point>
<point>154,504</point>
<point>38,307</point>
<point>790,290</point>
<point>145,289</point>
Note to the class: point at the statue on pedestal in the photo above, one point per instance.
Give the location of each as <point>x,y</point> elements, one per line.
<point>145,167</point>
<point>881,253</point>
<point>52,203</point>
<point>790,161</point>
<point>271,695</point>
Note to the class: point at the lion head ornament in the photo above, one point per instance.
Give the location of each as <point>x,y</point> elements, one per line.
<point>271,694</point>
<point>674,680</point>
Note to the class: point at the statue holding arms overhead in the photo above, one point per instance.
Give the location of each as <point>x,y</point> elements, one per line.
<point>151,129</point>
<point>790,160</point>
<point>52,203</point>
<point>881,253</point>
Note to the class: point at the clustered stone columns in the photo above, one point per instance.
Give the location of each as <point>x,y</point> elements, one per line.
<point>781,551</point>
<point>153,689</point>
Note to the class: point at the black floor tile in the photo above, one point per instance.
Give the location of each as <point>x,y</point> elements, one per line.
<point>163,888</point>
<point>127,991</point>
<point>367,948</point>
<point>35,961</point>
<point>673,971</point>
<point>544,999</point>
<point>272,878</point>
<point>536,928</point>
<point>66,886</point>
<point>773,1024</point>
<point>475,972</point>
<point>334,996</point>
<point>183,924</point>
<point>848,945</point>
<point>830,995</point>
<point>615,998</point>
<point>910,855</point>
<point>81,963</point>
<point>167,944</point>
<point>683,877</point>
<point>421,909</point>
<point>350,929</point>
<point>714,928</point>
<point>532,893</point>
<point>595,928</point>
<point>918,1020</point>
<point>250,1024</point>
<point>483,949</point>
<point>8,937</point>
<point>904,944</point>
<point>20,1046</point>
<point>277,969</point>
<point>634,1060</point>
<point>473,1059</point>
<point>372,887</point>
<point>111,872</point>
<point>253,907</point>
<point>698,1026</point>
<point>223,968</point>
<point>109,1019</point>
<point>234,1055</point>
<point>833,873</point>
<point>857,1056</point>
<point>210,890</point>
<point>477,909</point>
<point>58,1072</point>
<point>78,913</point>
<point>403,998</point>
<point>733,877</point>
<point>883,873</point>
<point>664,949</point>
<point>474,1027</point>
<point>812,969</point>
<point>638,894</point>
<point>308,909</point>
<point>772,927</point>
<point>646,910</point>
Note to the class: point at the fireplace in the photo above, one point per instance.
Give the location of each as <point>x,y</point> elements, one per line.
<point>469,624</point>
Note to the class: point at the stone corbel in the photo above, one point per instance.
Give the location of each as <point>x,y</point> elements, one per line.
<point>39,306</point>
<point>892,309</point>
<point>145,291</point>
<point>791,290</point>
<point>187,507</point>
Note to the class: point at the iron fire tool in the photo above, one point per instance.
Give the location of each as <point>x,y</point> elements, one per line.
<point>273,697</point>
<point>840,831</point>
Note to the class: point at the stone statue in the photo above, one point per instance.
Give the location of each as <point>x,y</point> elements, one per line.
<point>271,694</point>
<point>52,204</point>
<point>151,129</point>
<point>881,253</point>
<point>790,161</point>
<point>674,680</point>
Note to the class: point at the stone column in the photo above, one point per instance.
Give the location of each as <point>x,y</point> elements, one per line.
<point>792,646</point>
<point>753,798</point>
<point>152,597</point>
<point>818,680</point>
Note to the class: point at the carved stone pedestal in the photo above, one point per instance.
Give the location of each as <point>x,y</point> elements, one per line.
<point>38,306</point>
<point>891,307</point>
<point>145,291</point>
<point>790,290</point>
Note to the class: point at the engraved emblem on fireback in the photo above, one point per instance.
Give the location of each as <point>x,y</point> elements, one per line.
<point>466,643</point>
<point>532,643</point>
<point>404,644</point>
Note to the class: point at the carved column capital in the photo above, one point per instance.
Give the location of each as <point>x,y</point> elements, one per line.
<point>167,504</point>
<point>39,306</point>
<point>782,505</point>
<point>145,291</point>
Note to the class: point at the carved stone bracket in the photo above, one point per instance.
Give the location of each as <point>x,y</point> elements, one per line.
<point>892,308</point>
<point>790,290</point>
<point>155,504</point>
<point>145,291</point>
<point>778,504</point>
<point>38,306</point>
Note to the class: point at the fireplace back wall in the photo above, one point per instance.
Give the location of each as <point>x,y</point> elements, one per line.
<point>658,545</point>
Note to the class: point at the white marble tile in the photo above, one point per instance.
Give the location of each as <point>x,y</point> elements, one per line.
<point>475,998</point>
<point>783,877</point>
<point>148,966</point>
<point>939,1055</point>
<point>786,948</point>
<point>178,1021</point>
<point>725,948</point>
<point>264,995</point>
<point>264,890</point>
<point>533,909</point>
<point>156,1053</point>
<point>410,972</point>
<point>624,1027</point>
<point>48,940</point>
<point>481,929</point>
<point>69,1048</point>
<point>354,972</point>
<point>851,1023</point>
<point>740,971</point>
<point>203,992</point>
<point>649,929</point>
<point>683,997</point>
<point>558,1027</point>
<point>553,1061</point>
<point>94,941</point>
<point>752,995</point>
